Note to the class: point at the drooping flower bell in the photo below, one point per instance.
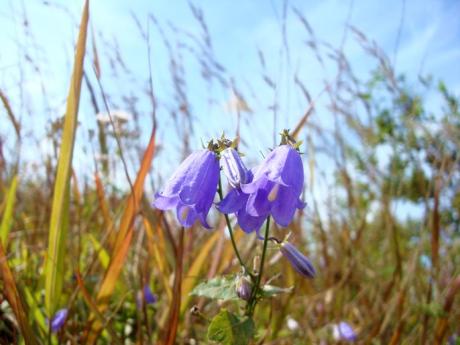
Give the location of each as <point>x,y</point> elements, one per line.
<point>58,320</point>
<point>191,188</point>
<point>273,188</point>
<point>276,187</point>
<point>298,261</point>
<point>343,332</point>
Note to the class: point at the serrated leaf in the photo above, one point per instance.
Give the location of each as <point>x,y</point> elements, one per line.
<point>270,290</point>
<point>228,329</point>
<point>223,288</point>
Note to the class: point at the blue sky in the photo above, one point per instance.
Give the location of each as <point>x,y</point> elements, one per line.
<point>429,43</point>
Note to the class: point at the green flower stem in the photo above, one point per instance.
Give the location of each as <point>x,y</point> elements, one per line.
<point>232,238</point>
<point>254,298</point>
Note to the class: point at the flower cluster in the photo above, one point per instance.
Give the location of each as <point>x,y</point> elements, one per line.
<point>271,189</point>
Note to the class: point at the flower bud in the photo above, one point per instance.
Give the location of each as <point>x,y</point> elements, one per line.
<point>243,288</point>
<point>233,167</point>
<point>298,261</point>
<point>58,319</point>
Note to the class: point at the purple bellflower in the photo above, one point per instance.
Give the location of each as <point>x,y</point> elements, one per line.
<point>58,319</point>
<point>298,261</point>
<point>343,332</point>
<point>191,188</point>
<point>273,188</point>
<point>276,186</point>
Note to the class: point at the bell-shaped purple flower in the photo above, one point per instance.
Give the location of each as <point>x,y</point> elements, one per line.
<point>273,188</point>
<point>276,186</point>
<point>233,167</point>
<point>343,332</point>
<point>58,319</point>
<point>298,261</point>
<point>191,188</point>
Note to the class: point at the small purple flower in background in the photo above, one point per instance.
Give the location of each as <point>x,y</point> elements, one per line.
<point>234,168</point>
<point>191,188</point>
<point>343,332</point>
<point>454,339</point>
<point>276,186</point>
<point>58,319</point>
<point>146,296</point>
<point>149,296</point>
<point>298,261</point>
<point>243,288</point>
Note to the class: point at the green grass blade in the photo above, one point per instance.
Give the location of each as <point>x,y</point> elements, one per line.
<point>59,213</point>
<point>7,218</point>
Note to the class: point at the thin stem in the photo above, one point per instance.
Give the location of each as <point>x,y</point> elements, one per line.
<point>232,238</point>
<point>253,301</point>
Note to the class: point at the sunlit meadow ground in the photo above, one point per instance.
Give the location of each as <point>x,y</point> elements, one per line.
<point>382,184</point>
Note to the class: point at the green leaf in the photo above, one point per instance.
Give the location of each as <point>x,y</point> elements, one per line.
<point>229,329</point>
<point>54,266</point>
<point>270,290</point>
<point>223,288</point>
<point>7,219</point>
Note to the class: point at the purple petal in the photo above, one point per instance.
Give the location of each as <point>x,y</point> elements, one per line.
<point>165,203</point>
<point>292,172</point>
<point>203,221</point>
<point>233,167</point>
<point>258,204</point>
<point>300,204</point>
<point>185,169</point>
<point>186,215</point>
<point>233,201</point>
<point>249,223</point>
<point>284,206</point>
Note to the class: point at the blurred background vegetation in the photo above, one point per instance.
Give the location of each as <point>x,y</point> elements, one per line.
<point>382,225</point>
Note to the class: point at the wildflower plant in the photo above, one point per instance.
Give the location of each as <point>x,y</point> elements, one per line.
<point>270,190</point>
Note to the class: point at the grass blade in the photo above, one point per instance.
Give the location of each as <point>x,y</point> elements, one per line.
<point>174,311</point>
<point>12,295</point>
<point>9,112</point>
<point>54,269</point>
<point>8,214</point>
<point>157,251</point>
